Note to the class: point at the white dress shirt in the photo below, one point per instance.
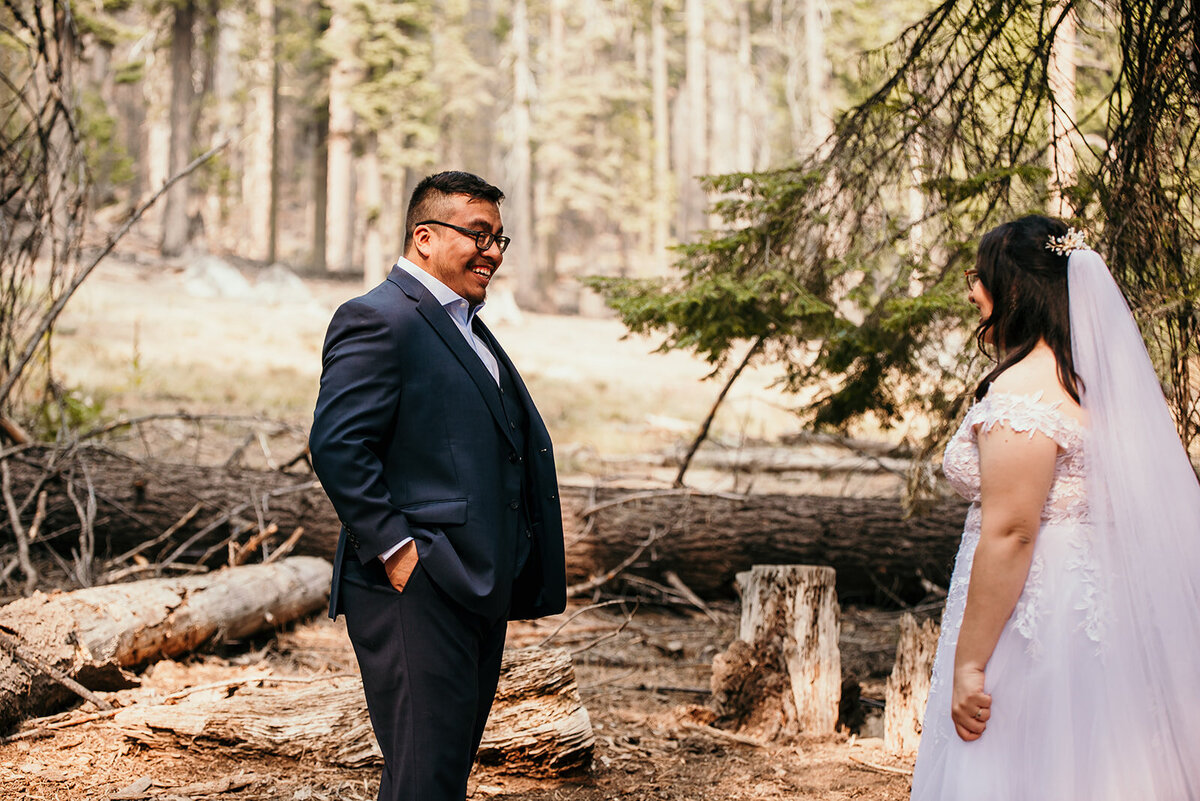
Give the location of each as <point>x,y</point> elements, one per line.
<point>460,312</point>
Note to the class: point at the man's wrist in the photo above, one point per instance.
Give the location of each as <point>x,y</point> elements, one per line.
<point>395,549</point>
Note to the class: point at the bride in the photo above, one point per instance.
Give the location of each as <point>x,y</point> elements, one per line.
<point>1069,661</point>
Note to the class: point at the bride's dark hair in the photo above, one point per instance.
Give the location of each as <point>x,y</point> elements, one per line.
<point>1028,285</point>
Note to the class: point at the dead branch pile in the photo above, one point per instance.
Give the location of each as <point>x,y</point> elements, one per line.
<point>89,514</point>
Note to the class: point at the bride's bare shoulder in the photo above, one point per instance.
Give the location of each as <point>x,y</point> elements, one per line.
<point>1037,374</point>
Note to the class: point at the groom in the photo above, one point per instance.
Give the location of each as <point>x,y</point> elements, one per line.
<point>441,470</point>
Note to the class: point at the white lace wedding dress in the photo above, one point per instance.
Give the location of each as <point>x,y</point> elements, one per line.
<point>1048,736</point>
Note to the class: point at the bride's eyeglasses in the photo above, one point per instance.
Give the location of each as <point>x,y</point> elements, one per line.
<point>972,277</point>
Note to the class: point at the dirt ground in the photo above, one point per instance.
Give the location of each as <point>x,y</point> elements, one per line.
<point>138,340</point>
<point>645,689</point>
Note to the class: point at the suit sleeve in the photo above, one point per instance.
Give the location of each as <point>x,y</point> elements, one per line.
<point>360,388</point>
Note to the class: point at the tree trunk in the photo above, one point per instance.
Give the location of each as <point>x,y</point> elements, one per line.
<point>175,211</point>
<point>320,185</point>
<point>339,144</point>
<point>783,675</point>
<point>538,725</point>
<point>91,634</point>
<point>276,166</point>
<point>257,177</point>
<point>375,264</point>
<point>692,197</point>
<point>820,118</point>
<point>1061,76</point>
<point>908,686</point>
<point>722,69</point>
<point>663,195</point>
<point>528,288</point>
<point>746,93</point>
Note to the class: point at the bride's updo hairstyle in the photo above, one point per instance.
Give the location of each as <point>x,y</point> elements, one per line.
<point>1028,285</point>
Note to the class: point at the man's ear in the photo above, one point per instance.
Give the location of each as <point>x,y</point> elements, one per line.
<point>422,241</point>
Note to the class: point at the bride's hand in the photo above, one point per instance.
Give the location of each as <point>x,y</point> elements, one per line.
<point>970,706</point>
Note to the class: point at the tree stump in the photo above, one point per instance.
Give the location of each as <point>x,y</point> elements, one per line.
<point>783,674</point>
<point>908,686</point>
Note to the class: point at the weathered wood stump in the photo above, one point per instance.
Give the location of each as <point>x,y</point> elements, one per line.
<point>538,724</point>
<point>783,674</point>
<point>91,634</point>
<point>908,685</point>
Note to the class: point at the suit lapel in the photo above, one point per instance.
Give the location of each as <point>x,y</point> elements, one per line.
<point>437,317</point>
<point>506,364</point>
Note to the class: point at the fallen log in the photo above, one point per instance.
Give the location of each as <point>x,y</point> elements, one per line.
<point>538,724</point>
<point>169,504</point>
<point>92,635</point>
<point>705,540</point>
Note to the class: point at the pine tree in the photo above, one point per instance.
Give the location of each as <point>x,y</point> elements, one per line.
<point>846,264</point>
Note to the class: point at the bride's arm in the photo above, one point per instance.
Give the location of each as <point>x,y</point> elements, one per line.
<point>1017,470</point>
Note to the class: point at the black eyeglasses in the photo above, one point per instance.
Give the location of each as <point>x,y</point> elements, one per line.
<point>483,239</point>
<point>972,277</point>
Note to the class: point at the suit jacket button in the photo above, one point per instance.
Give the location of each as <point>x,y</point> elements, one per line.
<point>514,457</point>
<point>513,505</point>
<point>551,496</point>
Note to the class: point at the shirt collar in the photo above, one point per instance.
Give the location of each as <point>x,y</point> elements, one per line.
<point>447,297</point>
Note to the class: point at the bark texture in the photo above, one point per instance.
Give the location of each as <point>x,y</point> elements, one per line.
<point>92,634</point>
<point>877,552</point>
<point>538,724</point>
<point>706,539</point>
<point>908,685</point>
<point>783,675</point>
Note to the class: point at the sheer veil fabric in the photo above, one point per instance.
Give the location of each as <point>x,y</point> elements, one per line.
<point>1145,507</point>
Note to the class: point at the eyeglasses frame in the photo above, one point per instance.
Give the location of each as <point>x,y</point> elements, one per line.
<point>483,239</point>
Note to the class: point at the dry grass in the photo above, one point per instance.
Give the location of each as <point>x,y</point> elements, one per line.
<point>136,341</point>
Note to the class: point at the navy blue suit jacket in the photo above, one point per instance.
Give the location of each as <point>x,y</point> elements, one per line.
<point>409,439</point>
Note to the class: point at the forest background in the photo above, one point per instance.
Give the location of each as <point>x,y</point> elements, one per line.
<point>863,147</point>
<point>791,181</point>
<point>781,185</point>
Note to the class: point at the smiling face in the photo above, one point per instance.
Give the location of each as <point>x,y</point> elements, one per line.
<point>451,256</point>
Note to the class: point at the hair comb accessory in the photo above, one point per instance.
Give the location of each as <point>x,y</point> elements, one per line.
<point>1068,243</point>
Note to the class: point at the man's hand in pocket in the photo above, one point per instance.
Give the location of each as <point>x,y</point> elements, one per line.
<point>400,565</point>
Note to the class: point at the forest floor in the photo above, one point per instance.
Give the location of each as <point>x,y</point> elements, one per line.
<point>645,686</point>
<point>141,337</point>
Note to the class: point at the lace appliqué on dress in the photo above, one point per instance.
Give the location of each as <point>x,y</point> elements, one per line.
<point>1066,503</point>
<point>1027,414</point>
